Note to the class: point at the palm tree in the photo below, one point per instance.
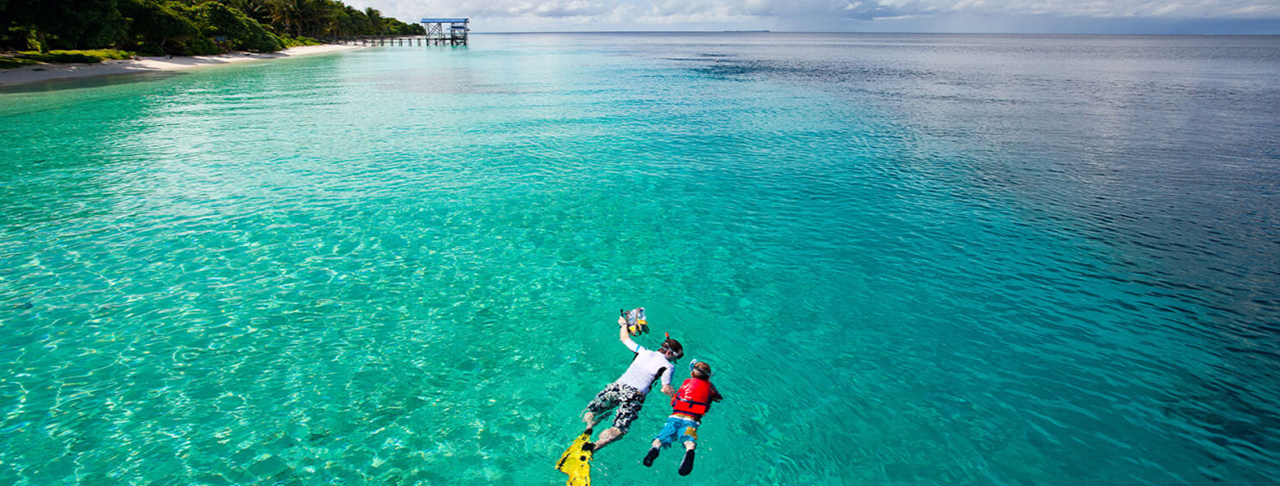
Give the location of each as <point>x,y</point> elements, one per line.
<point>375,19</point>
<point>259,10</point>
<point>301,17</point>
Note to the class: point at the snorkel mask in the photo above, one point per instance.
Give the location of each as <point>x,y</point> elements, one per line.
<point>665,349</point>
<point>700,370</point>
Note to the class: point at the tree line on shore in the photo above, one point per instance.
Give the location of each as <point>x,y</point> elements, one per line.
<point>185,27</point>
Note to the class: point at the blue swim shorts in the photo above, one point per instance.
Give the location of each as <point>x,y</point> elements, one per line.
<point>684,429</point>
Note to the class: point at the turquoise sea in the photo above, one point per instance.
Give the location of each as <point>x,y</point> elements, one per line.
<point>911,259</point>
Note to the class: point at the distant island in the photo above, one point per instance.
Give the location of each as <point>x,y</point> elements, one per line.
<point>94,30</point>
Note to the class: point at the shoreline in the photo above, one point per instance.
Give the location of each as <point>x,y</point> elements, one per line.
<point>49,72</point>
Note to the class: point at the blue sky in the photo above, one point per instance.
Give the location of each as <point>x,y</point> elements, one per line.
<point>988,16</point>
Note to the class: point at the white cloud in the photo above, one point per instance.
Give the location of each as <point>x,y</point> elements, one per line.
<point>730,14</point>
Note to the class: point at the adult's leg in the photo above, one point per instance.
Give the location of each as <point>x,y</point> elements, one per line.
<point>609,435</point>
<point>629,402</point>
<point>603,402</point>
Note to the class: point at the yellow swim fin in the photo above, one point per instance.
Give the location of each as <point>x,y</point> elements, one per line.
<point>576,462</point>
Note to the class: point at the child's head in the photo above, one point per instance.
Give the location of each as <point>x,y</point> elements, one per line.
<point>700,370</point>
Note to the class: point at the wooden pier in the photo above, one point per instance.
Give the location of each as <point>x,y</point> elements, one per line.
<point>436,35</point>
<point>456,35</point>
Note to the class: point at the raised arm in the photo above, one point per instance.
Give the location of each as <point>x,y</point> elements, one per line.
<point>625,336</point>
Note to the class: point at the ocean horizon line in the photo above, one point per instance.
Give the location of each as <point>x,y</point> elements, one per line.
<point>993,34</point>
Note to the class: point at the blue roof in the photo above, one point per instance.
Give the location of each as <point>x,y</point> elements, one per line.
<point>443,21</point>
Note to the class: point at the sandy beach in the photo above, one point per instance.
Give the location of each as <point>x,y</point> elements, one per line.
<point>35,74</point>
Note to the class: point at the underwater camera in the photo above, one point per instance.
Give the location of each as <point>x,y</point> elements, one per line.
<point>636,323</point>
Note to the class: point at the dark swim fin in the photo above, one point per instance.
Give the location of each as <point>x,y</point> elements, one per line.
<point>686,466</point>
<point>576,462</point>
<point>648,458</point>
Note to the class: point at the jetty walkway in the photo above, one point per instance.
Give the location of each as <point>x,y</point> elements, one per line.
<point>436,35</point>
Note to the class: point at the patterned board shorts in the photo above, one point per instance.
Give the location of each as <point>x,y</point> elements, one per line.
<point>678,428</point>
<point>627,399</point>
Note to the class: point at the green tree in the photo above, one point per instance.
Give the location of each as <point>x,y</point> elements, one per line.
<point>396,27</point>
<point>156,28</point>
<point>259,10</point>
<point>377,25</point>
<point>183,26</point>
<point>241,32</point>
<point>353,22</point>
<point>66,24</point>
<point>302,17</point>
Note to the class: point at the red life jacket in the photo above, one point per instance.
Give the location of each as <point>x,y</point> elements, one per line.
<point>693,398</point>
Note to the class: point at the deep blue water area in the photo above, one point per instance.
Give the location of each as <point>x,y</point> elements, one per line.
<point>911,259</point>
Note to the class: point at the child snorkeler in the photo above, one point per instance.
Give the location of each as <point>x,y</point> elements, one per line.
<point>691,402</point>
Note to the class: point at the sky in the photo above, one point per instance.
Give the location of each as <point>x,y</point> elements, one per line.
<point>949,16</point>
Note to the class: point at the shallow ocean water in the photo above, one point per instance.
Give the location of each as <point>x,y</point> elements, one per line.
<point>911,259</point>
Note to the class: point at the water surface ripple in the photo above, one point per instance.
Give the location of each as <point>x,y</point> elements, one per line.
<point>912,259</point>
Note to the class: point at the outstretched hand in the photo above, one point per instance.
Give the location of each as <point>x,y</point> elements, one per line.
<point>624,335</point>
<point>715,394</point>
